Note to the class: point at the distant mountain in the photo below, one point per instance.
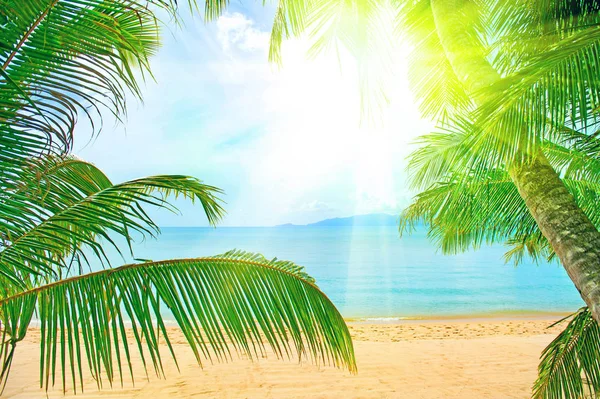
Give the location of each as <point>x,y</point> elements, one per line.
<point>286,225</point>
<point>373,219</point>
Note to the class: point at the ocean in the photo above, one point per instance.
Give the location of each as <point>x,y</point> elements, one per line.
<point>370,272</point>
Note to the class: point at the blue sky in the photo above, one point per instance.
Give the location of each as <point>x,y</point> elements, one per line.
<point>285,143</point>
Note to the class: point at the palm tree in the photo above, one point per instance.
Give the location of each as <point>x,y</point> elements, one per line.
<point>67,59</point>
<point>542,91</point>
<point>514,88</point>
<point>515,73</point>
<point>465,211</point>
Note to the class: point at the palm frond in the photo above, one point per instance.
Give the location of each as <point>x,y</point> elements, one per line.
<point>575,155</point>
<point>237,302</point>
<point>289,20</point>
<point>431,77</point>
<point>52,182</point>
<point>534,245</point>
<point>570,366</point>
<point>64,58</point>
<point>454,147</point>
<point>467,202</point>
<point>39,238</point>
<point>555,86</point>
<point>464,213</point>
<point>360,28</point>
<point>564,16</point>
<point>68,60</point>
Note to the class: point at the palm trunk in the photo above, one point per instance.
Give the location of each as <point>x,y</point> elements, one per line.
<point>573,237</point>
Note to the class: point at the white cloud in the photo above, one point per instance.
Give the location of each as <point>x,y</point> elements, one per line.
<point>237,31</point>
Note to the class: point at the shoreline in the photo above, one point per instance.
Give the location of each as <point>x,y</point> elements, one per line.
<point>526,316</point>
<point>499,317</point>
<point>552,316</point>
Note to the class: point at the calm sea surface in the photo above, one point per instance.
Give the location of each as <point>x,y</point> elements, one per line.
<point>371,272</point>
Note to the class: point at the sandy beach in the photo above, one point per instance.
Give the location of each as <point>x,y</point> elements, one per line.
<point>477,358</point>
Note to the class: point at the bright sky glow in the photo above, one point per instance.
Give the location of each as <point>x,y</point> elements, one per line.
<point>286,144</point>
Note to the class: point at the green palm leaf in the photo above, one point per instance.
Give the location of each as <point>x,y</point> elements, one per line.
<point>40,237</point>
<point>358,28</point>
<point>431,77</point>
<point>466,202</point>
<point>61,58</point>
<point>558,84</point>
<point>570,366</point>
<point>52,182</point>
<point>575,155</point>
<point>237,302</point>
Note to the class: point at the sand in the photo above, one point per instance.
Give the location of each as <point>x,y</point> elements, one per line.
<point>477,358</point>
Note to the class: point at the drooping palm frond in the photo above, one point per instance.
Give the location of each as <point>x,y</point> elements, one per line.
<point>61,59</point>
<point>329,24</point>
<point>52,182</point>
<point>563,16</point>
<point>464,212</point>
<point>289,20</point>
<point>455,146</point>
<point>235,303</point>
<point>558,84</point>
<point>570,365</point>
<point>576,156</point>
<point>547,52</point>
<point>467,202</point>
<point>370,30</point>
<point>359,28</point>
<point>535,246</point>
<point>38,237</point>
<point>431,77</point>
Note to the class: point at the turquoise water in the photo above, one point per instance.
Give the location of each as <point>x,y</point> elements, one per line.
<point>371,272</point>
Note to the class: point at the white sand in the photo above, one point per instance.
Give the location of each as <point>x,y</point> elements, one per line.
<point>422,359</point>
